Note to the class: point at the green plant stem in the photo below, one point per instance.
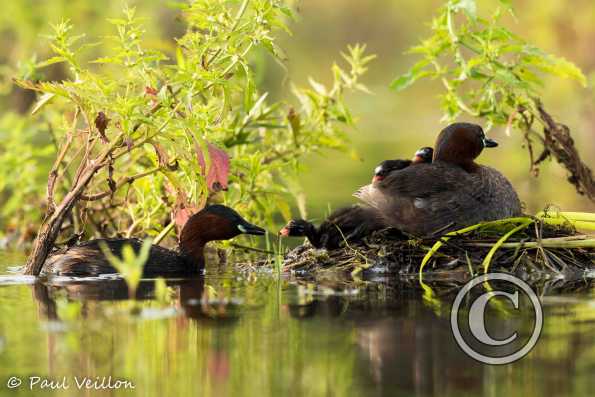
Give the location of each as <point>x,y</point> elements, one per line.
<point>124,181</point>
<point>488,259</point>
<point>233,27</point>
<point>164,232</point>
<point>575,216</point>
<point>556,242</point>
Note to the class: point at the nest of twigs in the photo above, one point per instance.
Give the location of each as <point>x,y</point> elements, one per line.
<point>532,248</point>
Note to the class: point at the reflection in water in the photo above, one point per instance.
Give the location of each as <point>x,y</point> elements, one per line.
<point>263,336</point>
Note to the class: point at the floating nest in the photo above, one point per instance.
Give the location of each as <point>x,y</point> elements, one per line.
<point>533,248</point>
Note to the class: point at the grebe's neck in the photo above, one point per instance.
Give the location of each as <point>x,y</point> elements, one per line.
<point>468,165</point>
<point>194,253</point>
<point>194,236</point>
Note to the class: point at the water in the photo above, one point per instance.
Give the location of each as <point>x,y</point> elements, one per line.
<point>257,335</point>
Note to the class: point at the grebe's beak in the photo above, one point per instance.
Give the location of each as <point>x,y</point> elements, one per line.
<point>284,232</point>
<point>487,142</point>
<point>377,178</point>
<point>417,159</point>
<point>248,228</point>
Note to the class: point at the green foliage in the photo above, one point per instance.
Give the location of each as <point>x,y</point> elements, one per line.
<point>68,311</point>
<point>162,291</point>
<point>25,149</point>
<point>487,71</point>
<point>130,265</point>
<point>164,110</point>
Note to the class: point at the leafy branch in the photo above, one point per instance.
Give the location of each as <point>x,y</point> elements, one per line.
<point>142,137</point>
<point>489,72</point>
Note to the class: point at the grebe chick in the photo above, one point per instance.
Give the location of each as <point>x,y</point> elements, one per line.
<point>353,223</point>
<point>450,193</point>
<point>423,155</point>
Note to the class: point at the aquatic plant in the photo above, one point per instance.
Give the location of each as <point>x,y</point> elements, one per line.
<point>142,137</point>
<point>508,227</point>
<point>162,291</point>
<point>539,246</point>
<point>130,264</point>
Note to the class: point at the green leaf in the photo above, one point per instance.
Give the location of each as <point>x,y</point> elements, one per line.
<point>45,98</point>
<point>249,94</point>
<point>416,72</point>
<point>49,62</point>
<point>180,58</point>
<point>508,77</point>
<point>319,88</point>
<point>257,106</point>
<point>565,69</point>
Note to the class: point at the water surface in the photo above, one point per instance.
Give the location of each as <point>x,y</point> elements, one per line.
<point>258,335</point>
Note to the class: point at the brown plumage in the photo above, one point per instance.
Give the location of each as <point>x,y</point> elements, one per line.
<point>353,223</point>
<point>450,193</point>
<point>345,224</point>
<point>216,222</point>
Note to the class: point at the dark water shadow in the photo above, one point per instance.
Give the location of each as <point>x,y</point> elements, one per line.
<point>188,297</point>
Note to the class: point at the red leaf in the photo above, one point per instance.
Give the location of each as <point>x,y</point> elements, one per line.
<point>101,122</point>
<point>181,216</point>
<point>150,91</point>
<point>218,172</point>
<point>183,209</point>
<point>161,155</point>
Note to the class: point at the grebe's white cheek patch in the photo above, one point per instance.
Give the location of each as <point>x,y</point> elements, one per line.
<point>420,203</point>
<point>241,228</point>
<point>377,169</point>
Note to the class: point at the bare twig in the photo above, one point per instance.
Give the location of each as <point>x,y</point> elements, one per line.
<point>53,176</point>
<point>119,184</point>
<point>50,228</point>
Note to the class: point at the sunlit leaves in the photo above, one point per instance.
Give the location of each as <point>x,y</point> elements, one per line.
<point>128,263</point>
<point>411,76</point>
<point>62,43</point>
<point>44,99</point>
<point>358,61</point>
<point>486,70</point>
<point>555,65</point>
<point>192,125</point>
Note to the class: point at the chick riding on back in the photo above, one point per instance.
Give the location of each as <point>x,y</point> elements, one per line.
<point>351,223</point>
<point>451,192</point>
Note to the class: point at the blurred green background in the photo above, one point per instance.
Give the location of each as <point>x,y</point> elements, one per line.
<point>390,124</point>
